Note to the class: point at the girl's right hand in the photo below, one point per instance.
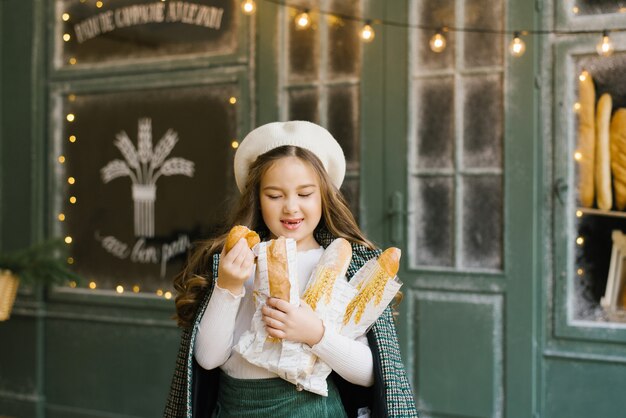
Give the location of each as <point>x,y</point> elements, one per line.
<point>235,267</point>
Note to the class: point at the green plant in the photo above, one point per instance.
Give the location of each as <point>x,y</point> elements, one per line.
<point>43,263</point>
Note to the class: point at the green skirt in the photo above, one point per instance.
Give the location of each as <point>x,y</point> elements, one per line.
<point>275,398</point>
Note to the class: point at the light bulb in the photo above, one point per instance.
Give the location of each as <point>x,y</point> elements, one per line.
<point>248,7</point>
<point>517,47</point>
<point>367,33</point>
<point>303,21</point>
<point>605,46</point>
<point>437,42</point>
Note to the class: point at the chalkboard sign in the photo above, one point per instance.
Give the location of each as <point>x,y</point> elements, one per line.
<point>94,32</point>
<point>146,173</point>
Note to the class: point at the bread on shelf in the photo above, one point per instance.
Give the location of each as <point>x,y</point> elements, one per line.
<point>586,139</point>
<point>618,156</point>
<point>604,195</point>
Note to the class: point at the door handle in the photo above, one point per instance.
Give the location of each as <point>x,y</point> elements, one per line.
<point>396,213</point>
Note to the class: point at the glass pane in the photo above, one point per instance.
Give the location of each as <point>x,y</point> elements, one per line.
<point>483,122</point>
<point>607,74</point>
<point>303,44</point>
<point>435,123</point>
<point>434,13</point>
<point>590,7</point>
<point>593,258</point>
<point>136,29</point>
<point>482,222</point>
<point>344,42</point>
<point>350,190</point>
<point>303,105</point>
<point>482,49</point>
<point>343,121</point>
<point>431,223</point>
<point>131,160</point>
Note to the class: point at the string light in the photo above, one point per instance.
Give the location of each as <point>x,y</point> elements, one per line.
<point>61,159</point>
<point>72,61</point>
<point>577,107</point>
<point>136,289</point>
<point>73,200</point>
<point>65,17</point>
<point>579,213</point>
<point>517,47</point>
<point>303,21</point>
<point>70,260</point>
<point>72,138</point>
<point>92,285</point>
<point>367,33</point>
<point>232,100</point>
<point>580,240</point>
<point>73,284</point>
<point>67,37</point>
<point>437,42</point>
<point>159,292</point>
<point>580,272</point>
<point>68,240</point>
<point>70,117</point>
<point>168,295</point>
<point>605,46</point>
<point>71,180</point>
<point>234,144</point>
<point>583,76</point>
<point>99,4</point>
<point>61,217</point>
<point>578,156</point>
<point>248,7</point>
<point>119,289</point>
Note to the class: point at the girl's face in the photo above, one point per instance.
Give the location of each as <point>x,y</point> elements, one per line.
<point>291,201</point>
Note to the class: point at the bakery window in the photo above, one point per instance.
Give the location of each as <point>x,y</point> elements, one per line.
<point>93,33</point>
<point>143,172</point>
<point>597,7</point>
<point>320,75</point>
<point>600,213</point>
<point>455,138</point>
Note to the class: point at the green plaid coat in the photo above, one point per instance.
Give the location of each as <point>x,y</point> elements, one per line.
<point>193,390</point>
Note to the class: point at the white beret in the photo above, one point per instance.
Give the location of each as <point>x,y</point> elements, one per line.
<point>297,133</point>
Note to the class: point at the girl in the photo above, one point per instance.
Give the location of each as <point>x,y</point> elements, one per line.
<point>289,174</point>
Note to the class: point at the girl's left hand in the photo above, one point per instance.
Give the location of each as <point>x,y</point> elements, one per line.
<point>294,323</point>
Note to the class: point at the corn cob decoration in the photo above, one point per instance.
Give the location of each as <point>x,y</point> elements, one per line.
<point>373,287</point>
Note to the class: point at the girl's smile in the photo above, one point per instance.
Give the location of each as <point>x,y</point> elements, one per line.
<point>291,203</point>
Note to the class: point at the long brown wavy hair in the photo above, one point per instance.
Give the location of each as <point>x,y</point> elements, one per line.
<point>191,282</point>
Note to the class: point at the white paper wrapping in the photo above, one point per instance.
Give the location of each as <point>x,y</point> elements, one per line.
<point>295,362</point>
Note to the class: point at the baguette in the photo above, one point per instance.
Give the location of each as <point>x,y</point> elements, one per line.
<point>333,264</point>
<point>586,139</point>
<point>277,269</point>
<point>618,156</point>
<point>372,287</point>
<point>603,158</point>
<point>238,232</point>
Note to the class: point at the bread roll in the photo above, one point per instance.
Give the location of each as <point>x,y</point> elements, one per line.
<point>333,264</point>
<point>238,232</point>
<point>277,269</point>
<point>586,139</point>
<point>618,157</point>
<point>603,158</point>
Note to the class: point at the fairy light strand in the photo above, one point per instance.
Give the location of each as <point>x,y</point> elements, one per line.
<point>386,22</point>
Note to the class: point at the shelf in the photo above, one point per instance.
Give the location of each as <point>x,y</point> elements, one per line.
<point>600,212</point>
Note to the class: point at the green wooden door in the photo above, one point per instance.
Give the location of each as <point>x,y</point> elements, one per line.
<point>452,184</point>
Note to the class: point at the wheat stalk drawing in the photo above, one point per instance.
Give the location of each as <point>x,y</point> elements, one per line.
<point>144,165</point>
